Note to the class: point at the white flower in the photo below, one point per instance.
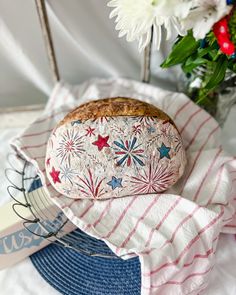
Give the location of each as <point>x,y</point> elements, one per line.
<point>135,18</point>
<point>203,15</point>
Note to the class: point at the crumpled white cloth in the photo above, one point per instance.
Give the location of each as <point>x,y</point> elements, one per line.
<point>175,234</point>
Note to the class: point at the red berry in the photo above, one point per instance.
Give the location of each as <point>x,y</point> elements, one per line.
<point>228,48</point>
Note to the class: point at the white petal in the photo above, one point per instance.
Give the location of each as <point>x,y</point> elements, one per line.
<point>157,35</point>
<point>114,12</point>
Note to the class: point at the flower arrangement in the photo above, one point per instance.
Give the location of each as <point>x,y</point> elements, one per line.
<point>206,38</point>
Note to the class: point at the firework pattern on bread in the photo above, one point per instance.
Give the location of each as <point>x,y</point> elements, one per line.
<point>113,148</point>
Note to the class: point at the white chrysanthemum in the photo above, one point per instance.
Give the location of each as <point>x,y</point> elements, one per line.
<point>135,18</point>
<point>203,15</point>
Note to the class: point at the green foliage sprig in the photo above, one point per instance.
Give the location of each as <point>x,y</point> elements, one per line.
<point>201,59</point>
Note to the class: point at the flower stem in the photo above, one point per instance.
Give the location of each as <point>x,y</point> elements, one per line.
<point>146,71</point>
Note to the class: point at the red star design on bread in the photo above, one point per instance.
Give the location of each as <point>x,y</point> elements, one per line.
<point>48,161</point>
<point>55,175</point>
<point>101,142</point>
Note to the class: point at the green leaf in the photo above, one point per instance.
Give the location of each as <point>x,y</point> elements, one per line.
<point>218,75</point>
<point>204,51</point>
<point>232,65</point>
<point>192,63</point>
<point>181,51</point>
<point>215,53</point>
<point>211,38</point>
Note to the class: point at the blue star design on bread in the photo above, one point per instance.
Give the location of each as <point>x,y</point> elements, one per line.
<point>115,182</point>
<point>164,151</point>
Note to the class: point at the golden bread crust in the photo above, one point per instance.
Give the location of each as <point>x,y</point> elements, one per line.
<point>113,107</point>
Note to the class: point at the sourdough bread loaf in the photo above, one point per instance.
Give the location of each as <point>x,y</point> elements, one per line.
<point>112,148</point>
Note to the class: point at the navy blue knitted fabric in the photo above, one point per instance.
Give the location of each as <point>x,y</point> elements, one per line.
<point>73,273</point>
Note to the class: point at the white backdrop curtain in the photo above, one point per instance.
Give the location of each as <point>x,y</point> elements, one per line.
<point>86,46</point>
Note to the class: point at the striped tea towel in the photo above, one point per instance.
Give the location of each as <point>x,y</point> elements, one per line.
<point>174,234</point>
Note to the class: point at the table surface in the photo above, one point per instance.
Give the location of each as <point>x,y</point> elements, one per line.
<point>22,278</point>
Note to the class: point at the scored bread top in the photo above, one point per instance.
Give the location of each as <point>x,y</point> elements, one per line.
<point>113,107</point>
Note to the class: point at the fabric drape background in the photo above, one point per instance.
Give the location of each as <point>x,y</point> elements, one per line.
<point>86,46</point>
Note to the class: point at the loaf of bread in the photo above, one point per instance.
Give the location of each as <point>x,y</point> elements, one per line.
<point>112,148</point>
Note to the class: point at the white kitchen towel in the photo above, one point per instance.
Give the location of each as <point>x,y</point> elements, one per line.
<point>175,234</point>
